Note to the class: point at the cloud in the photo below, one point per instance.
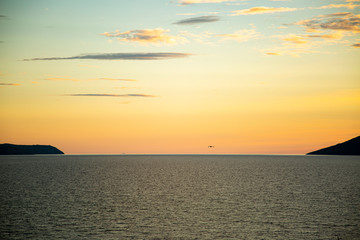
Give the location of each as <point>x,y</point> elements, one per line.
<point>348,6</point>
<point>291,45</point>
<point>338,14</point>
<point>240,36</point>
<point>294,51</point>
<point>79,80</point>
<point>198,20</point>
<point>356,45</point>
<point>185,14</point>
<point>146,36</point>
<point>298,44</point>
<point>117,79</point>
<point>295,39</point>
<point>273,53</point>
<point>108,95</point>
<point>185,2</point>
<point>62,79</point>
<point>203,37</point>
<point>335,36</point>
<point>118,56</point>
<point>261,10</point>
<point>343,21</point>
<point>9,84</point>
<point>302,39</point>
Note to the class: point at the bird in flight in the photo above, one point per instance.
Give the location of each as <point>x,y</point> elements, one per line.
<point>211,146</point>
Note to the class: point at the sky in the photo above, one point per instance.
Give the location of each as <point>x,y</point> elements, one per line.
<point>176,76</point>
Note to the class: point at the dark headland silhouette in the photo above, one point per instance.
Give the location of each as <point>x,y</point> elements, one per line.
<point>351,147</point>
<point>12,149</point>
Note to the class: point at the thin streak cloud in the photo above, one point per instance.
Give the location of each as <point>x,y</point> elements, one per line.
<point>186,2</point>
<point>108,95</point>
<point>9,84</point>
<point>80,80</point>
<point>261,10</point>
<point>118,56</point>
<point>348,6</point>
<point>117,79</point>
<point>145,36</point>
<point>336,36</point>
<point>198,20</point>
<point>240,36</point>
<point>62,79</point>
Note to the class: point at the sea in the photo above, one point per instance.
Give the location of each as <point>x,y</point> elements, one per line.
<point>180,197</point>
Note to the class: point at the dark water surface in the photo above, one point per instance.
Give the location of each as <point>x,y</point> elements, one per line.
<point>179,197</point>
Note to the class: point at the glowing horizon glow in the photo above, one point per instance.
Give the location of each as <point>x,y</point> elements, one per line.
<point>252,77</point>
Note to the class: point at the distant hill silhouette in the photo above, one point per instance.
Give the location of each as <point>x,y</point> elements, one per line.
<point>12,149</point>
<point>351,147</point>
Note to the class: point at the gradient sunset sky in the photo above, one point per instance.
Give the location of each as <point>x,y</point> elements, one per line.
<point>174,76</point>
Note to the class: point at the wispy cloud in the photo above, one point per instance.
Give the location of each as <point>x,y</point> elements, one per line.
<point>203,37</point>
<point>198,20</point>
<point>335,36</point>
<point>117,79</point>
<point>186,14</point>
<point>108,95</point>
<point>302,39</point>
<point>291,45</point>
<point>261,10</point>
<point>344,21</point>
<point>295,39</point>
<point>298,44</point>
<point>9,84</point>
<point>294,50</point>
<point>80,80</point>
<point>118,56</point>
<point>349,5</point>
<point>62,79</point>
<point>185,2</point>
<point>273,53</point>
<point>240,36</point>
<point>145,36</point>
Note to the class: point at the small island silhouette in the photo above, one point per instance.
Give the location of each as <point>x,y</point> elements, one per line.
<point>350,147</point>
<point>12,149</point>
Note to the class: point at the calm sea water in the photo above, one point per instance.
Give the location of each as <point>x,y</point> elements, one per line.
<point>179,197</point>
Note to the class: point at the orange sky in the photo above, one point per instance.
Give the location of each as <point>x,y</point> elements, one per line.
<point>277,77</point>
